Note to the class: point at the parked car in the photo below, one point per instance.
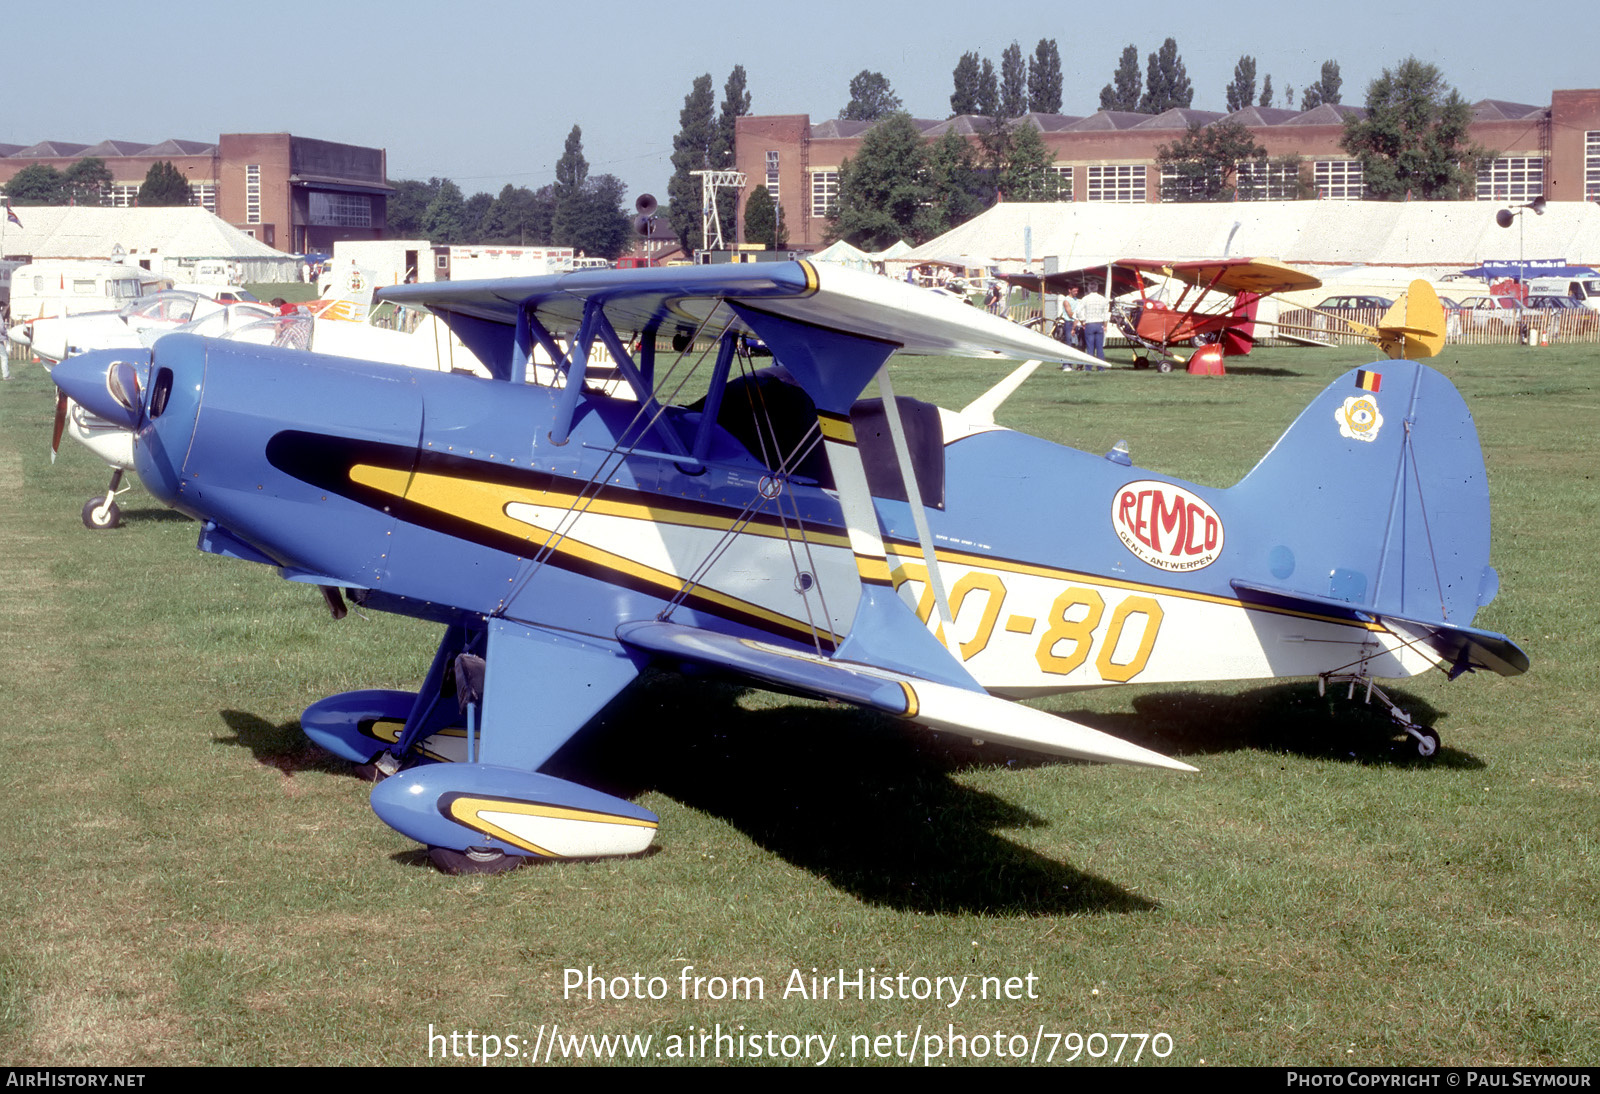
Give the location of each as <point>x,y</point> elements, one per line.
<point>1352,305</point>
<point>1491,313</point>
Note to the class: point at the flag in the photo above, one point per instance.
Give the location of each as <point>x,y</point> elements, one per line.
<point>12,217</point>
<point>1368,381</point>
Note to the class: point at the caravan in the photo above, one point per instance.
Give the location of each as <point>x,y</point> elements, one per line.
<point>44,290</point>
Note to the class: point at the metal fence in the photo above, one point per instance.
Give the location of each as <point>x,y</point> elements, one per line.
<point>1462,328</point>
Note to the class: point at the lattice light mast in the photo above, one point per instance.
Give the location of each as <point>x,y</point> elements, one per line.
<point>710,221</point>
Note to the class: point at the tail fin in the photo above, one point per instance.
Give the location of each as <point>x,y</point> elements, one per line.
<point>1239,339</point>
<point>1376,498</point>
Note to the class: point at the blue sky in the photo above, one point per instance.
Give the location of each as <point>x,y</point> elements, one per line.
<point>487,93</point>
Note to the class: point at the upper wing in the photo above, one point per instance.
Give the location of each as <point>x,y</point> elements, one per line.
<point>940,706</point>
<point>687,298</point>
<point>1261,276</point>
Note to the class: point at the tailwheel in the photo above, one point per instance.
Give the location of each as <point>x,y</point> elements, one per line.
<point>474,860</point>
<point>101,513</point>
<point>1164,366</point>
<point>1427,742</point>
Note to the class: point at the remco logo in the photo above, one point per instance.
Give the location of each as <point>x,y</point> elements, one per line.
<point>1166,526</point>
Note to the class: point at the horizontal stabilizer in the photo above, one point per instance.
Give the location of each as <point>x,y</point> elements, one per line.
<point>1464,649</point>
<point>939,706</point>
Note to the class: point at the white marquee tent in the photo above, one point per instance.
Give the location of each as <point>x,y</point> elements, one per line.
<point>165,241</point>
<point>1442,234</point>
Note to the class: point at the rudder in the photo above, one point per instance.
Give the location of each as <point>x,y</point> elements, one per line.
<point>1376,496</point>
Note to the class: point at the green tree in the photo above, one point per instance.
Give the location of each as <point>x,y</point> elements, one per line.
<point>1325,90</point>
<point>964,99</point>
<point>87,181</point>
<point>408,205</point>
<point>474,215</point>
<point>164,185</point>
<point>510,217</point>
<point>988,90</point>
<point>592,220</point>
<point>763,220</point>
<point>1044,78</point>
<point>1203,165</point>
<point>960,188</point>
<point>445,220</point>
<point>871,98</point>
<point>1166,83</point>
<point>883,189</point>
<point>1013,82</point>
<point>735,105</point>
<point>1414,137</point>
<point>1028,173</point>
<point>1266,90</point>
<point>571,169</point>
<point>36,184</point>
<point>1123,92</point>
<point>692,150</point>
<point>1242,92</point>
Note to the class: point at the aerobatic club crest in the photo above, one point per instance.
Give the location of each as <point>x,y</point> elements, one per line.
<point>1166,526</point>
<point>1358,418</point>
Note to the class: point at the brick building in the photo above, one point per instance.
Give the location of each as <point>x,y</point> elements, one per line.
<point>293,193</point>
<point>1110,156</point>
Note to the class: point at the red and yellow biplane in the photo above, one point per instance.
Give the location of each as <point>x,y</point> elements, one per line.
<point>1216,304</point>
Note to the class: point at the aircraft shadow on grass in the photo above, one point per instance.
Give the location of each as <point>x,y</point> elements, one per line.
<point>873,807</point>
<point>1290,718</point>
<point>865,804</point>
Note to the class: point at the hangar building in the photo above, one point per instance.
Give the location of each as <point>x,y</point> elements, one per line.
<point>295,194</point>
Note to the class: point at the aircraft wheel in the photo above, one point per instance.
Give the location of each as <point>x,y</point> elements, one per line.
<point>479,860</point>
<point>1164,366</point>
<point>100,519</point>
<point>1140,362</point>
<point>1427,743</point>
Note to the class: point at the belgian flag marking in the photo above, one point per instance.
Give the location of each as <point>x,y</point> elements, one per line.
<point>1368,381</point>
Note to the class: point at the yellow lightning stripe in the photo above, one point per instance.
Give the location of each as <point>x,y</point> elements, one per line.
<point>484,504</point>
<point>469,811</point>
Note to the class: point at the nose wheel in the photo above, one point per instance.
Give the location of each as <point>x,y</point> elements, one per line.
<point>102,512</point>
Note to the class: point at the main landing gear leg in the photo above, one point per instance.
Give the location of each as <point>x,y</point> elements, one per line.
<point>1425,738</point>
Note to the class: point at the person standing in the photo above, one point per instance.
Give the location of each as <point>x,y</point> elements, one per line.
<point>1093,311</point>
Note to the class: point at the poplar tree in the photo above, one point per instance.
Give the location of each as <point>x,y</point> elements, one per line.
<point>1166,83</point>
<point>1123,92</point>
<point>1013,83</point>
<point>964,99</point>
<point>1044,78</point>
<point>1242,92</point>
<point>692,150</point>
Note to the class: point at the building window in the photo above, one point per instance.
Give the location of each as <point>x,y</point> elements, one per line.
<point>340,210</point>
<point>824,193</point>
<point>1511,178</point>
<point>1178,186</point>
<point>121,195</point>
<point>1591,165</point>
<point>1116,182</point>
<point>1063,182</point>
<point>1259,180</point>
<point>1339,180</point>
<point>772,176</point>
<point>203,194</point>
<point>252,193</point>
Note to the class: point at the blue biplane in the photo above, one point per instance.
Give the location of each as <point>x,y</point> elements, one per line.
<point>885,552</point>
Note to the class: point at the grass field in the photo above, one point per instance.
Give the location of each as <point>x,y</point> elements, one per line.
<point>190,882</point>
